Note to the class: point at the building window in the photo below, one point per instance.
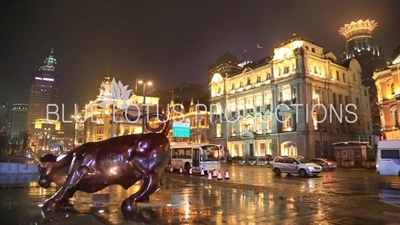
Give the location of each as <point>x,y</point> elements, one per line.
<point>248,81</point>
<point>344,77</point>
<point>354,77</point>
<point>218,130</point>
<point>233,106</point>
<point>313,50</point>
<point>334,99</point>
<point>357,102</point>
<point>258,125</point>
<point>233,86</point>
<point>258,100</point>
<point>286,70</point>
<point>337,75</point>
<point>287,122</point>
<point>262,149</point>
<point>392,88</point>
<point>233,130</point>
<point>100,130</point>
<point>268,98</point>
<point>268,76</point>
<point>269,124</point>
<point>249,103</point>
<point>286,94</point>
<point>258,79</point>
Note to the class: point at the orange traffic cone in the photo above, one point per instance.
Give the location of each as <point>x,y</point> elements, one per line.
<point>219,175</point>
<point>190,171</point>
<point>180,170</point>
<point>171,169</point>
<point>209,175</point>
<point>227,177</point>
<point>215,173</point>
<point>202,171</point>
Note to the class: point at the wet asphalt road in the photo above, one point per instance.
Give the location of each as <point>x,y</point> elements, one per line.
<point>252,195</point>
<point>340,181</point>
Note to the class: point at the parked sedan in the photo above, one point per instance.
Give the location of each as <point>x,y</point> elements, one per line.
<point>326,164</point>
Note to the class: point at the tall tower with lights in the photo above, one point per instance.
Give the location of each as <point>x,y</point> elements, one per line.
<point>44,90</point>
<point>360,45</point>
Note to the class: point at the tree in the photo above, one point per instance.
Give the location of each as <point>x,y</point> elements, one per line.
<point>365,120</point>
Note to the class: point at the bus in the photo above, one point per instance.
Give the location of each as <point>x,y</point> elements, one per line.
<point>195,156</point>
<point>388,158</point>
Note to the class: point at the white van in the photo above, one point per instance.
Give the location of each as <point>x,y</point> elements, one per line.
<point>388,158</point>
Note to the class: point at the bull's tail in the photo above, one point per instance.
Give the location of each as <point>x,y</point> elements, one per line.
<point>164,123</point>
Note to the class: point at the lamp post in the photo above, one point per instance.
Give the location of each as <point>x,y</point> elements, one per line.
<point>73,139</point>
<point>144,83</point>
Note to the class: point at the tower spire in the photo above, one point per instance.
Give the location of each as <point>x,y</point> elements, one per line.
<point>191,107</point>
<point>172,103</point>
<point>49,63</point>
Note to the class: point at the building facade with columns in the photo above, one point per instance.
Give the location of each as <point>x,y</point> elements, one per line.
<point>101,123</point>
<point>272,106</point>
<point>387,82</point>
<point>197,117</point>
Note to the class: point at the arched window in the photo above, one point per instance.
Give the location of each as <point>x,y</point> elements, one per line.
<point>395,116</point>
<point>392,88</point>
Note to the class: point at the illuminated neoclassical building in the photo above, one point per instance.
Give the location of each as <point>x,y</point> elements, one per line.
<point>299,72</point>
<point>44,133</point>
<point>97,121</point>
<point>199,120</point>
<point>387,82</point>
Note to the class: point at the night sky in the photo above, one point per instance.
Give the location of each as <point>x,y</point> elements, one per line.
<point>169,42</point>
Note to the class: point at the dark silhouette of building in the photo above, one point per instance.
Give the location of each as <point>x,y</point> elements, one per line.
<point>360,45</point>
<point>182,94</point>
<point>18,117</point>
<point>3,114</point>
<point>396,52</point>
<point>226,64</point>
<point>44,90</point>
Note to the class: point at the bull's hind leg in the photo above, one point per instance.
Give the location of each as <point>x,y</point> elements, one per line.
<point>75,175</point>
<point>149,186</point>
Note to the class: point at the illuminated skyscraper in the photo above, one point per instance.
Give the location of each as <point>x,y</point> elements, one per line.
<point>360,45</point>
<point>43,90</point>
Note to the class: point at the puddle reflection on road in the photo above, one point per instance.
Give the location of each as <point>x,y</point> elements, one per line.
<point>177,202</point>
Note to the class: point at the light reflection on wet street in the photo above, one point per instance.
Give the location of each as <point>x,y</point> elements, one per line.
<point>184,201</point>
<point>340,181</point>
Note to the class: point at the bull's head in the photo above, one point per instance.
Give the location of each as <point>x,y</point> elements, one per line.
<point>45,167</point>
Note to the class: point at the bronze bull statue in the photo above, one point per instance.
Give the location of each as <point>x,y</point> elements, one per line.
<point>122,160</point>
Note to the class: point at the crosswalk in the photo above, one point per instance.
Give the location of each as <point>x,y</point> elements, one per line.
<point>391,193</point>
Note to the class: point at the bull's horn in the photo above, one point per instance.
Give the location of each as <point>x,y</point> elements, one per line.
<point>36,157</point>
<point>61,150</point>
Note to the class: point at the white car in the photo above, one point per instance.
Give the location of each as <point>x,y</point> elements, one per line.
<point>295,165</point>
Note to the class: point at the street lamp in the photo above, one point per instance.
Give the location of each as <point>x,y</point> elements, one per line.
<point>144,83</point>
<point>73,140</point>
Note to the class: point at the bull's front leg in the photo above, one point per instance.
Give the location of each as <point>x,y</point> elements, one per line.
<point>149,186</point>
<point>70,194</point>
<point>75,175</point>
